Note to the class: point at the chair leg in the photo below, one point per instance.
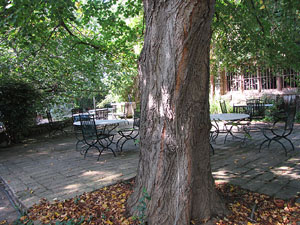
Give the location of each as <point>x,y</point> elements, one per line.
<point>293,147</point>
<point>118,143</point>
<point>262,144</point>
<point>77,146</point>
<point>126,139</point>
<point>100,152</point>
<point>112,151</point>
<point>228,132</point>
<point>85,152</point>
<point>281,145</point>
<point>212,148</point>
<point>95,146</point>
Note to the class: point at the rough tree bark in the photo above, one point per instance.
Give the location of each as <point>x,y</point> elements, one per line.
<point>174,164</point>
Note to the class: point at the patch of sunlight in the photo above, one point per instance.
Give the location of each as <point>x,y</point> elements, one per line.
<point>165,99</point>
<point>63,144</point>
<point>287,172</point>
<point>73,186</point>
<point>2,208</point>
<point>108,178</point>
<point>100,162</point>
<point>220,173</point>
<point>42,153</point>
<point>150,101</point>
<point>91,173</point>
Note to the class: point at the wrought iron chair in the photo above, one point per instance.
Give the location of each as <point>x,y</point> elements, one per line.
<point>223,106</point>
<point>240,125</point>
<point>101,114</point>
<point>130,133</point>
<point>255,108</point>
<point>54,126</point>
<point>227,125</point>
<point>76,112</point>
<point>4,136</point>
<point>213,134</point>
<point>279,133</point>
<point>92,137</point>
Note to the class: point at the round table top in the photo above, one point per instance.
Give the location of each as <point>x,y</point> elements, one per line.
<point>245,105</point>
<point>229,116</point>
<point>103,122</point>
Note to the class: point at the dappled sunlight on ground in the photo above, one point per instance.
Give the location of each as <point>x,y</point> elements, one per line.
<point>268,171</point>
<point>53,169</point>
<point>92,173</point>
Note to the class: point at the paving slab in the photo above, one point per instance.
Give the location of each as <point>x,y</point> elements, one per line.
<point>8,212</point>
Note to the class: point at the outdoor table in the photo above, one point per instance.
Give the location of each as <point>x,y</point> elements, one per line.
<point>92,111</point>
<point>229,118</point>
<point>103,122</point>
<point>107,127</point>
<point>76,116</point>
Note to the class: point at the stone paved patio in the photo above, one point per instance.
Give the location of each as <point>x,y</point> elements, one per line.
<point>52,168</point>
<point>269,171</point>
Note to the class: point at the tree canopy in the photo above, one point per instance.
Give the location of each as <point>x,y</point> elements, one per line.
<point>258,32</point>
<point>76,48</point>
<point>71,47</point>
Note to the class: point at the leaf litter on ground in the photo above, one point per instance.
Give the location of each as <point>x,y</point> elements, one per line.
<point>108,206</point>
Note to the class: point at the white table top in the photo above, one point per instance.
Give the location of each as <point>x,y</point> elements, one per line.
<point>84,114</point>
<point>103,122</point>
<point>229,116</point>
<point>244,105</point>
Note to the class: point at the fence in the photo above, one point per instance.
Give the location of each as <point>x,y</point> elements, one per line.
<point>251,78</point>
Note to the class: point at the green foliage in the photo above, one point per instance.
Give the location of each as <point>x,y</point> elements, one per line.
<point>26,221</point>
<point>18,106</point>
<point>264,33</point>
<point>110,98</point>
<point>215,107</point>
<point>142,206</point>
<point>71,48</point>
<point>297,117</point>
<point>271,112</point>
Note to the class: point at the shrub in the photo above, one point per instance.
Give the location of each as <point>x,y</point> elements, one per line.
<point>214,106</point>
<point>297,119</point>
<point>271,112</point>
<point>18,104</point>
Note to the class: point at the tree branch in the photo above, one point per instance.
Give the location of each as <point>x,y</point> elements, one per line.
<point>44,43</point>
<point>257,19</point>
<point>62,24</point>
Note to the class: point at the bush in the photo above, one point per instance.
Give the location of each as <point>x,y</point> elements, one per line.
<point>297,119</point>
<point>18,104</point>
<point>271,112</point>
<point>215,107</point>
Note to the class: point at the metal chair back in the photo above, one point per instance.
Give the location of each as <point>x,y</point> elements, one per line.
<point>290,108</point>
<point>223,106</point>
<point>255,108</point>
<point>136,119</point>
<point>75,113</point>
<point>88,128</point>
<point>49,117</point>
<point>101,114</point>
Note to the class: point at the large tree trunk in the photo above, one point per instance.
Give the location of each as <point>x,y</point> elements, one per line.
<point>174,165</point>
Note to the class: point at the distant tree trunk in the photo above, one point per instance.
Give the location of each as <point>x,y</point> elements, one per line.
<point>223,82</point>
<point>279,82</point>
<point>258,71</point>
<point>174,165</point>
